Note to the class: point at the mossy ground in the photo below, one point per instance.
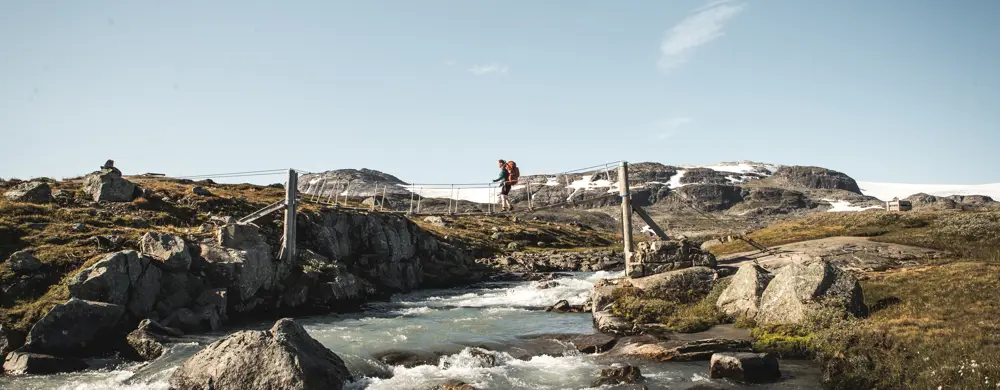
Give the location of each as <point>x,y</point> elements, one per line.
<point>684,313</point>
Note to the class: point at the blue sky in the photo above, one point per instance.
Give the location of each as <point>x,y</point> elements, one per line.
<point>436,91</point>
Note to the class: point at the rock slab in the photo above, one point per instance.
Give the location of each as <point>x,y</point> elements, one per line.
<point>30,192</point>
<point>742,296</point>
<point>169,251</point>
<point>21,363</point>
<point>122,278</point>
<point>798,289</point>
<point>73,327</point>
<point>109,186</point>
<point>745,367</point>
<point>654,257</point>
<point>284,357</point>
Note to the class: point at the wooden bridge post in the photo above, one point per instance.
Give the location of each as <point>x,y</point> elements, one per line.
<point>287,252</point>
<point>623,191</point>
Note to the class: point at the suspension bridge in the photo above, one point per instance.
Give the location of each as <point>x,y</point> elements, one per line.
<point>564,189</point>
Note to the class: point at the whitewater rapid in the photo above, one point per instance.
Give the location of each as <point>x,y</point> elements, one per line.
<point>453,323</point>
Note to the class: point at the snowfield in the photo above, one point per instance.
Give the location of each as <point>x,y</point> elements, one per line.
<point>887,191</point>
<point>845,206</point>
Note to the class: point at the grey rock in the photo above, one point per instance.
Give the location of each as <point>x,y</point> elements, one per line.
<point>28,363</point>
<point>148,339</point>
<point>678,350</point>
<point>815,178</point>
<point>177,290</point>
<point>79,228</point>
<point>199,319</point>
<point>238,236</point>
<point>408,359</point>
<point>22,262</point>
<point>742,296</point>
<point>514,246</point>
<point>215,297</point>
<point>436,221</point>
<point>30,192</point>
<point>711,197</point>
<point>606,322</point>
<point>284,357</point>
<point>108,185</point>
<point>10,340</point>
<point>593,343</point>
<point>653,257</point>
<point>799,288</point>
<point>122,278</point>
<point>745,367</point>
<point>244,272</point>
<point>169,252</point>
<point>73,327</point>
<point>680,285</point>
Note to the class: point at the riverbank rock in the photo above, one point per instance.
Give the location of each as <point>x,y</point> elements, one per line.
<point>681,285</point>
<point>30,192</point>
<point>678,350</point>
<point>407,358</point>
<point>74,328</point>
<point>147,340</point>
<point>606,322</point>
<point>654,257</point>
<point>742,296</point>
<point>745,367</point>
<point>798,288</point>
<point>284,357</point>
<point>109,186</point>
<point>22,363</point>
<point>125,278</point>
<point>244,269</point>
<point>556,261</point>
<point>169,252</point>
<point>627,374</point>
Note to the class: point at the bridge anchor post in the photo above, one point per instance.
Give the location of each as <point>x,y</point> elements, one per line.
<point>288,252</point>
<point>624,192</point>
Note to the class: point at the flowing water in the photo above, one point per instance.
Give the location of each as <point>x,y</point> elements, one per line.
<point>452,323</point>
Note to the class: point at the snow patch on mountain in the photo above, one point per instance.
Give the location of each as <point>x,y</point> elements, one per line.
<point>845,206</point>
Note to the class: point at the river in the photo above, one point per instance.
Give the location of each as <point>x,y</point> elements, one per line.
<point>448,322</point>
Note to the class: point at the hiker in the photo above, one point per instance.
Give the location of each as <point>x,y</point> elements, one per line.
<point>509,174</point>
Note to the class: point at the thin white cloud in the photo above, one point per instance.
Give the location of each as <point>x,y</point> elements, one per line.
<point>480,70</point>
<point>672,126</point>
<point>704,25</point>
<point>449,63</point>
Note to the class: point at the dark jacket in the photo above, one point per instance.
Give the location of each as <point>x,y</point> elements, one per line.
<point>503,175</point>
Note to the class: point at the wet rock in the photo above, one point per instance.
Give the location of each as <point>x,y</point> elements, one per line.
<point>472,357</point>
<point>799,288</point>
<point>284,357</point>
<point>147,340</point>
<point>199,319</point>
<point>546,284</point>
<point>602,296</point>
<point>177,290</point>
<point>169,252</point>
<point>73,327</point>
<point>654,257</point>
<point>627,374</point>
<point>561,306</point>
<point>455,385</point>
<point>680,285</point>
<point>109,186</point>
<point>677,350</point>
<point>122,278</point>
<point>22,262</point>
<point>742,296</point>
<point>10,340</point>
<point>745,367</point>
<point>593,343</point>
<point>30,192</point>
<point>216,298</point>
<point>606,322</point>
<point>22,363</point>
<point>407,359</point>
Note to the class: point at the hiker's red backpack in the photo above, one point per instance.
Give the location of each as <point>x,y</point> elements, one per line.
<point>512,172</point>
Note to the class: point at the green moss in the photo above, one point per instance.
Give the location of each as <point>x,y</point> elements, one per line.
<point>686,312</point>
<point>786,341</point>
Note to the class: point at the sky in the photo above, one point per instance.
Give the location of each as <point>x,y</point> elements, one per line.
<point>436,91</point>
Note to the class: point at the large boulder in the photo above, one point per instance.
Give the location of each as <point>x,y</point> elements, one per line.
<point>744,367</point>
<point>169,251</point>
<point>653,257</point>
<point>606,322</point>
<point>29,363</point>
<point>284,357</point>
<point>74,327</point>
<point>742,296</point>
<point>108,185</point>
<point>815,178</point>
<point>683,285</point>
<point>22,262</point>
<point>30,192</point>
<point>123,278</point>
<point>243,271</point>
<point>619,375</point>
<point>797,289</point>
<point>678,350</point>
